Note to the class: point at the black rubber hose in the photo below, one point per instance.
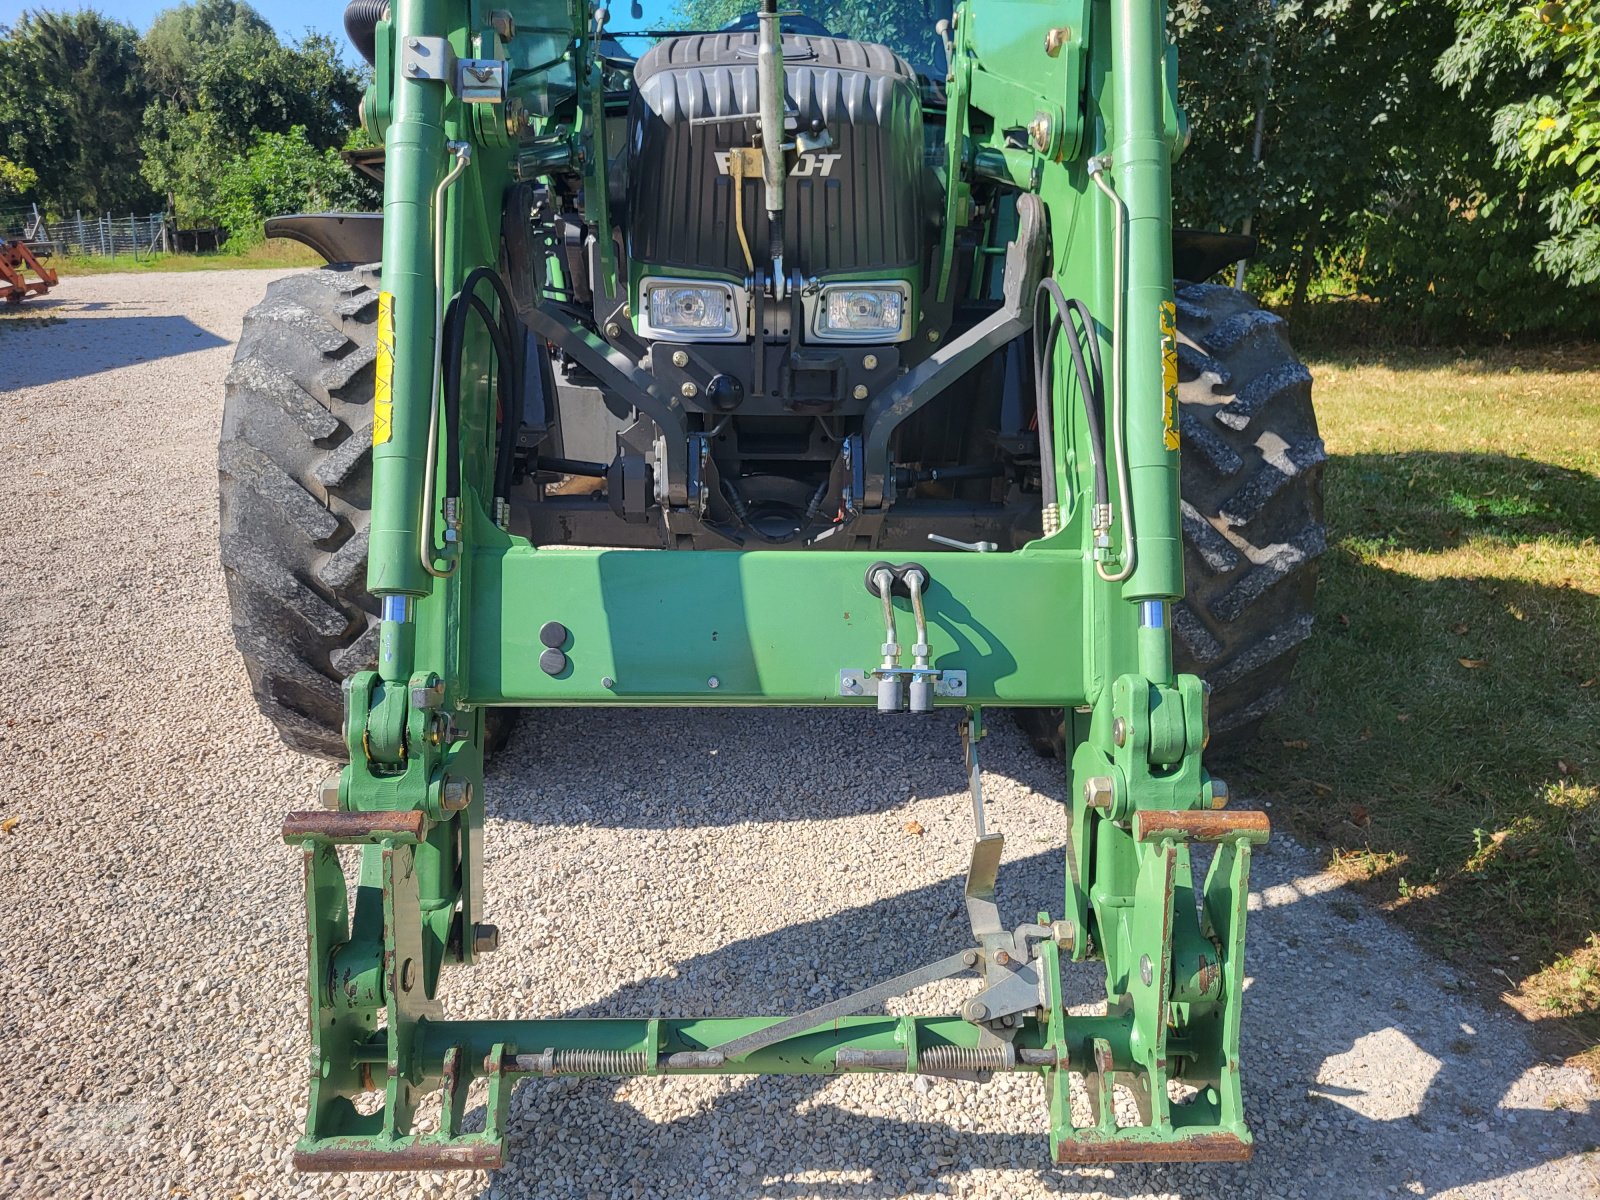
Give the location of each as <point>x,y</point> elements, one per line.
<point>361,19</point>
<point>504,347</point>
<point>1091,386</point>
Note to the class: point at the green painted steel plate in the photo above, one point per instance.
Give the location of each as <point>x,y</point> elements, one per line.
<point>770,627</point>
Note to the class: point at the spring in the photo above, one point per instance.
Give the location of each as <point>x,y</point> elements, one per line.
<point>600,1062</point>
<point>938,1059</point>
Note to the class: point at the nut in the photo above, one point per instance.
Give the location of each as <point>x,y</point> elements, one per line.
<point>330,791</point>
<point>456,793</point>
<point>504,23</point>
<point>485,939</point>
<point>1065,934</point>
<point>1098,791</point>
<point>1056,38</point>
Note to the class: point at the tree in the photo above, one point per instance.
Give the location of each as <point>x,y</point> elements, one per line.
<point>181,39</point>
<point>72,93</point>
<point>227,83</point>
<point>1550,139</point>
<point>283,173</point>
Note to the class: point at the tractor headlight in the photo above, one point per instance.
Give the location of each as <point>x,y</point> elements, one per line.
<point>862,312</point>
<point>689,310</point>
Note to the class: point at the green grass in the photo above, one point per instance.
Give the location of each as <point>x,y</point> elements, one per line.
<point>1444,739</point>
<point>276,253</point>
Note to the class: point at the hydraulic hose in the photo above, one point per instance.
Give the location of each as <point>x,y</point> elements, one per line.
<point>1091,386</point>
<point>361,19</point>
<point>505,348</point>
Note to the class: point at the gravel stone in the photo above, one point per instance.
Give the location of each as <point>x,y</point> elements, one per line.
<point>692,862</point>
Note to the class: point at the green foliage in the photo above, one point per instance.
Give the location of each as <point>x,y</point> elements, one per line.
<point>14,179</point>
<point>1400,156</point>
<point>181,38</point>
<point>1553,137</point>
<point>72,89</point>
<point>283,173</point>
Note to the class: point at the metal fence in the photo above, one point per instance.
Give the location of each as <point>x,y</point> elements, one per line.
<point>89,235</point>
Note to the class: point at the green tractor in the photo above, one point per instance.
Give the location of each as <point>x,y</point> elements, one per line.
<point>830,356</point>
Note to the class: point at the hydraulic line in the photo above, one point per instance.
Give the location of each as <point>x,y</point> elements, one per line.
<point>1091,386</point>
<point>462,152</point>
<point>1130,556</point>
<point>452,342</point>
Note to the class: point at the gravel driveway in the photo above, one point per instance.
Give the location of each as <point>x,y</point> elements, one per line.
<point>682,863</point>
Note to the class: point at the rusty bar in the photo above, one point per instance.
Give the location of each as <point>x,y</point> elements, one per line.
<point>417,1156</point>
<point>1198,825</point>
<point>348,828</point>
<point>1207,1147</point>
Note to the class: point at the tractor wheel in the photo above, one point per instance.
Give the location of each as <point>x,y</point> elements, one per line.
<point>296,487</point>
<point>1252,512</point>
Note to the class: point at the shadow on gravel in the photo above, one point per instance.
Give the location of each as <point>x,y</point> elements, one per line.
<point>72,348</point>
<point>1366,1072</point>
<point>813,764</point>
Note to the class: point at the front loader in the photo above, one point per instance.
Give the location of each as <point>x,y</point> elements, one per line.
<point>818,357</point>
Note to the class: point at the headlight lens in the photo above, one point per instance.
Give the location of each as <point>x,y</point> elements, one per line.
<point>861,313</point>
<point>689,311</point>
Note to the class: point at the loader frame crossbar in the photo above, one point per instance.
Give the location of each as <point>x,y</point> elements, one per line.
<point>1064,136</point>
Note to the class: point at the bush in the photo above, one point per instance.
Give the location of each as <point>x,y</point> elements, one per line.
<point>283,173</point>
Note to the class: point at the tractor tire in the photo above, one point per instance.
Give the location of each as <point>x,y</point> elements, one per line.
<point>1252,512</point>
<point>295,461</point>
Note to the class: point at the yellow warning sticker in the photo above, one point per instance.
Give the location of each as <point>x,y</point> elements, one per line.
<point>383,383</point>
<point>1169,374</point>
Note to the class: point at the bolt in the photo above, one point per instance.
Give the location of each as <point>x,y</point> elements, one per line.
<point>1056,38</point>
<point>1002,957</point>
<point>970,958</point>
<point>504,24</point>
<point>1039,131</point>
<point>713,682</point>
<point>414,44</point>
<point>975,1011</point>
<point>933,335</point>
<point>859,391</point>
<point>330,791</point>
<point>456,793</point>
<point>680,358</point>
<point>1065,934</point>
<point>607,682</point>
<point>1098,791</point>
<point>1119,732</point>
<point>1219,793</point>
<point>612,329</point>
<point>414,68</point>
<point>1146,973</point>
<point>485,939</point>
<point>870,362</point>
<point>438,726</point>
<point>689,388</point>
<point>408,974</point>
